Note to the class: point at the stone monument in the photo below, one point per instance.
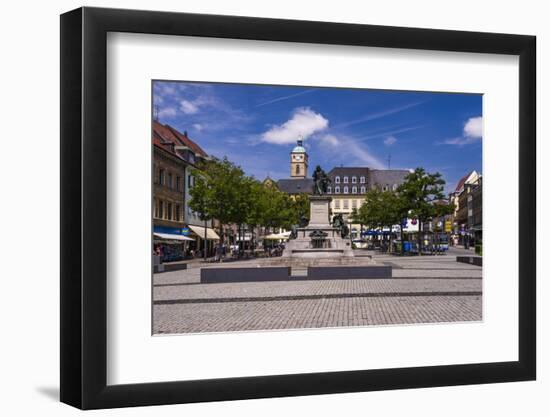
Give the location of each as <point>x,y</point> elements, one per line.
<point>319,239</point>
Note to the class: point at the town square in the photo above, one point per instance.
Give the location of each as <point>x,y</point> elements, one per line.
<point>308,224</point>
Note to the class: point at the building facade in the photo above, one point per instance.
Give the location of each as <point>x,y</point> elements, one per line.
<point>177,228</point>
<point>466,198</point>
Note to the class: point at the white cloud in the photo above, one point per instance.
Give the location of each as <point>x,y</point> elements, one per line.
<point>390,140</point>
<point>329,139</point>
<point>166,113</point>
<point>198,127</point>
<point>472,133</point>
<point>473,128</point>
<point>304,122</point>
<point>188,107</point>
<point>362,155</point>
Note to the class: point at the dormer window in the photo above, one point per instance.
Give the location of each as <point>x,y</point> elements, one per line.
<point>363,190</point>
<point>346,190</point>
<point>353,180</point>
<point>337,180</point>
<point>362,179</point>
<point>329,189</point>
<point>354,190</point>
<point>345,180</point>
<point>337,189</point>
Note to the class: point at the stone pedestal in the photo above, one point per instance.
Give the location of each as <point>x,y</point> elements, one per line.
<point>319,212</point>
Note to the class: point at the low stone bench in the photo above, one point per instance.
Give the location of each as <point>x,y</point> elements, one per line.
<point>223,275</point>
<point>175,266</point>
<point>472,260</point>
<point>349,272</point>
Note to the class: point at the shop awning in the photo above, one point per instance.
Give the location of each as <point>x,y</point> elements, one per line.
<point>169,236</point>
<point>210,233</point>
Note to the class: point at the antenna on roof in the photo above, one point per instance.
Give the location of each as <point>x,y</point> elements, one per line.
<point>389,161</point>
<point>156,113</point>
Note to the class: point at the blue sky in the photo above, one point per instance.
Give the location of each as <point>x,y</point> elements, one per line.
<point>256,126</point>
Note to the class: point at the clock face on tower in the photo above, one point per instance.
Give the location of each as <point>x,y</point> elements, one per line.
<point>298,157</point>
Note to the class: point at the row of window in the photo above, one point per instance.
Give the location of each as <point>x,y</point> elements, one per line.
<point>172,181</point>
<point>362,180</point>
<point>166,210</point>
<point>354,189</point>
<point>345,204</point>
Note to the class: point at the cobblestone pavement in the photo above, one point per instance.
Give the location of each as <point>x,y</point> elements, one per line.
<point>422,290</point>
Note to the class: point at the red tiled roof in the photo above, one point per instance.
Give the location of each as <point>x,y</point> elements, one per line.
<point>184,139</point>
<point>166,136</point>
<point>461,182</point>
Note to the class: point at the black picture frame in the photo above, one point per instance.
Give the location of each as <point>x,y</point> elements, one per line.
<point>84,207</point>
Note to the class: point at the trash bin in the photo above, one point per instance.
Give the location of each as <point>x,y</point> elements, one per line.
<point>406,247</point>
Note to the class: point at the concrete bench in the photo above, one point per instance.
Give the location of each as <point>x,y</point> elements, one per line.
<point>349,272</point>
<point>472,260</point>
<point>175,266</point>
<point>223,275</point>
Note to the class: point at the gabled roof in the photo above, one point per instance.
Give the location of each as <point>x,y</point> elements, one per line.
<point>462,181</point>
<point>167,137</point>
<point>348,171</point>
<point>388,177</point>
<point>296,185</point>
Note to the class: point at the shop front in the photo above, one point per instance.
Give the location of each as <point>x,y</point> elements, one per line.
<point>171,243</point>
<point>201,235</point>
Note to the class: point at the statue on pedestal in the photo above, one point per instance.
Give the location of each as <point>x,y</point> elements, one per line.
<point>321,181</point>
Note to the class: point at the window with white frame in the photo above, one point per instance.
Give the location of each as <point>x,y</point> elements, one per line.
<point>353,204</point>
<point>346,204</point>
<point>354,190</point>
<point>337,189</point>
<point>346,189</point>
<point>362,180</point>
<point>363,189</point>
<point>345,180</point>
<point>353,180</point>
<point>337,180</point>
<point>329,189</point>
<point>394,187</point>
<point>337,204</point>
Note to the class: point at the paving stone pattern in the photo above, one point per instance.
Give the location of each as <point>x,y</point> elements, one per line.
<point>424,290</point>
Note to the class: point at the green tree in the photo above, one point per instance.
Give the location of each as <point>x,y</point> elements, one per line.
<point>420,194</point>
<point>220,192</point>
<point>380,209</point>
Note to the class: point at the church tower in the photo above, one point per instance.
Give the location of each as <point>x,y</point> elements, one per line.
<point>298,161</point>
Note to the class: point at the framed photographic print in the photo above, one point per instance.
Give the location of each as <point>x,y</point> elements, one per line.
<point>257,208</point>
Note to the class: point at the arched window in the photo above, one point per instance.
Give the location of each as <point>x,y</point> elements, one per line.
<point>363,189</point>
<point>337,189</point>
<point>345,180</point>
<point>337,180</point>
<point>362,180</point>
<point>354,189</point>
<point>297,169</point>
<point>353,180</point>
<point>394,187</point>
<point>346,190</point>
<point>329,189</point>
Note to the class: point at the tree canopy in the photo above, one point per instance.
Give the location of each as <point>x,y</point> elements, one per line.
<point>224,192</point>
